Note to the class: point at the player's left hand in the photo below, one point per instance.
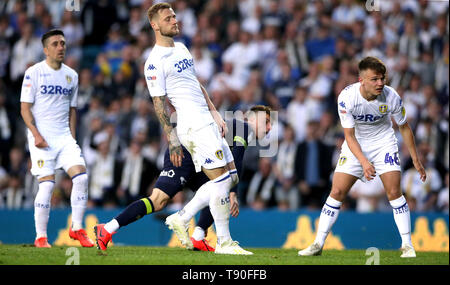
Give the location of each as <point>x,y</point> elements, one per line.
<point>220,123</point>
<point>419,167</point>
<point>234,205</point>
<point>223,128</point>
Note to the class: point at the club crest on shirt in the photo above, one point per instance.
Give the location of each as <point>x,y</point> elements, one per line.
<point>219,154</point>
<point>383,108</point>
<point>40,163</point>
<point>69,79</point>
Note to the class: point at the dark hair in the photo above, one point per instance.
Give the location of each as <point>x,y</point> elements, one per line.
<point>153,10</point>
<point>372,63</point>
<point>49,34</point>
<point>261,108</point>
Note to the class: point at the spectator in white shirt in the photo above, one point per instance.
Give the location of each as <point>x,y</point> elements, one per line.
<point>243,54</point>
<point>26,51</point>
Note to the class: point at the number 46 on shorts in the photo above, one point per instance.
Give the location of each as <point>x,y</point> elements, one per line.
<point>391,160</point>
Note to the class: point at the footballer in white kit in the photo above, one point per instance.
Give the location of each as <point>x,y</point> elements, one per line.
<point>52,93</point>
<point>48,108</point>
<point>169,72</point>
<point>373,129</point>
<point>365,110</point>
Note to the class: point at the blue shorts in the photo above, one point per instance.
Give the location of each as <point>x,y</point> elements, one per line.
<point>173,179</point>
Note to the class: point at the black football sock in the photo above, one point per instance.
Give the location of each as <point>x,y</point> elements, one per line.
<point>135,211</point>
<point>205,220</point>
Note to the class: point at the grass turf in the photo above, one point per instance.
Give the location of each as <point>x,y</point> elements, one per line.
<point>140,255</point>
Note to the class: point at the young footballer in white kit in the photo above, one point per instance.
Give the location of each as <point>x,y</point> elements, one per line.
<point>48,108</point>
<point>169,72</point>
<point>365,110</point>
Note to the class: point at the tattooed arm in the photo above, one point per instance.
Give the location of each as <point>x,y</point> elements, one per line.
<point>175,150</point>
<point>25,111</point>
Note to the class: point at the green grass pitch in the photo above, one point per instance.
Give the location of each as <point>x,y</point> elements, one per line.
<point>141,255</point>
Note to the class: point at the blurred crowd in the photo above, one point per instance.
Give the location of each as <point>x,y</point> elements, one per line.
<point>295,56</point>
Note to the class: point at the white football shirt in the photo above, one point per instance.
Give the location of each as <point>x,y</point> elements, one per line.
<point>371,119</point>
<point>170,71</point>
<point>52,93</point>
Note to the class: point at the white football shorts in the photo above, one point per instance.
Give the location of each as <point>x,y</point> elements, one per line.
<point>384,159</point>
<point>62,152</point>
<point>207,147</point>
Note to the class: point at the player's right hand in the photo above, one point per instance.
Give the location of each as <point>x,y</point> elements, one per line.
<point>369,170</point>
<point>234,205</point>
<point>40,142</point>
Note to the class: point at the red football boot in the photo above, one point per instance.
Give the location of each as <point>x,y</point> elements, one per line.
<point>102,236</point>
<point>201,245</point>
<point>82,237</point>
<point>42,242</point>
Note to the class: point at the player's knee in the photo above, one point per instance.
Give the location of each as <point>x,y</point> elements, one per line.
<point>159,205</point>
<point>393,194</point>
<point>79,195</point>
<point>45,191</point>
<point>338,193</point>
<point>80,180</point>
<point>159,200</point>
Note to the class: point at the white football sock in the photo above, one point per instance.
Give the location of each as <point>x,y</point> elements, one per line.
<point>199,234</point>
<point>198,202</point>
<point>78,200</point>
<point>212,193</point>
<point>112,226</point>
<point>328,217</point>
<point>219,205</point>
<point>42,207</point>
<point>402,218</point>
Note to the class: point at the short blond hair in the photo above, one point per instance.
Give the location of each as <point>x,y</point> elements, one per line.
<point>154,9</point>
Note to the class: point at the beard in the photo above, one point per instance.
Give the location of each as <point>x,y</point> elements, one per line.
<point>170,33</point>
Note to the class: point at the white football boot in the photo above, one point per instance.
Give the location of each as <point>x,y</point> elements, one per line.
<point>231,247</point>
<point>181,229</point>
<point>312,250</point>
<point>408,251</point>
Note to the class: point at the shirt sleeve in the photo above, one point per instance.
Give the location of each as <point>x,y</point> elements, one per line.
<point>28,91</point>
<point>398,110</point>
<point>74,101</point>
<point>344,111</point>
<point>238,156</point>
<point>237,139</point>
<point>154,76</point>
